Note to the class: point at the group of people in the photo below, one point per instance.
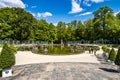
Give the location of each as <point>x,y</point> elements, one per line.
<point>91,50</point>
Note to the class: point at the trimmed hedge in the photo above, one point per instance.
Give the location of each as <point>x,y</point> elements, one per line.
<point>117,59</point>
<point>105,49</point>
<point>112,55</point>
<point>7,57</point>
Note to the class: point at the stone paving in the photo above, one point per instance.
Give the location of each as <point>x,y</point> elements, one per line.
<point>65,71</point>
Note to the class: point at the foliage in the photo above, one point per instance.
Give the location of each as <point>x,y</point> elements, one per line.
<point>7,57</point>
<point>104,47</point>
<point>112,54</point>
<point>117,59</point>
<point>17,24</point>
<point>13,49</point>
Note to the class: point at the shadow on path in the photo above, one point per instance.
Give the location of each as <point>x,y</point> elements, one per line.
<point>109,70</point>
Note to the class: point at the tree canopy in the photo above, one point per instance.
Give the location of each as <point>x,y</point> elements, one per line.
<point>17,24</point>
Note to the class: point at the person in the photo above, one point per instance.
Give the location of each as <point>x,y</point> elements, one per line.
<point>95,52</point>
<point>90,50</point>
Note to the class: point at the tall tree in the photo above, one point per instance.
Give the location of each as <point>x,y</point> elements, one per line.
<point>61,31</point>
<point>52,33</point>
<point>80,31</point>
<point>118,15</point>
<point>19,20</point>
<point>42,30</point>
<point>89,30</point>
<point>100,17</point>
<point>70,36</point>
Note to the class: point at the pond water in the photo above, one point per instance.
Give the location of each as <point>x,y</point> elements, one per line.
<point>57,50</point>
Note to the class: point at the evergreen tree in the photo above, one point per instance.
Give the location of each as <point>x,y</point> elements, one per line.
<point>112,55</point>
<point>117,59</point>
<point>7,58</point>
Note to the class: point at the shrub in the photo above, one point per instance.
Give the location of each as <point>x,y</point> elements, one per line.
<point>117,59</point>
<point>112,55</point>
<point>105,49</point>
<point>7,58</point>
<point>13,49</point>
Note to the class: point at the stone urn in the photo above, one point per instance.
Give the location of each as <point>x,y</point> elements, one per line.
<point>71,50</point>
<point>118,68</point>
<point>35,49</point>
<point>45,50</point>
<point>7,72</point>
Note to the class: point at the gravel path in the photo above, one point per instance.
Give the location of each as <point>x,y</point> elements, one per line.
<point>73,67</point>
<point>65,71</point>
<point>27,57</point>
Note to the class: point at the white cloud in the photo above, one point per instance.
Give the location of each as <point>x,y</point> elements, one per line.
<point>55,24</point>
<point>33,14</point>
<point>33,6</point>
<point>97,1</point>
<point>46,14</point>
<point>76,7</point>
<point>12,3</point>
<point>83,14</point>
<point>116,13</point>
<point>87,2</point>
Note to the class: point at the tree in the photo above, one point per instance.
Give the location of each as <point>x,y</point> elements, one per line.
<point>52,33</point>
<point>42,30</point>
<point>100,17</point>
<point>118,15</point>
<point>112,55</point>
<point>80,31</point>
<point>61,31</point>
<point>70,36</point>
<point>89,30</point>
<point>117,59</point>
<point>18,22</point>
<point>7,57</point>
<point>5,31</point>
<point>74,24</point>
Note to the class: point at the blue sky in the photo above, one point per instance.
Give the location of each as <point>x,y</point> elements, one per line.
<point>62,10</point>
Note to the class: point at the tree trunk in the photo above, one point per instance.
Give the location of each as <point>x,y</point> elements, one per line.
<point>52,44</point>
<point>62,44</point>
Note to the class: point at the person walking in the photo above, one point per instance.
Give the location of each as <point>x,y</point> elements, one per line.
<point>95,52</point>
<point>92,50</point>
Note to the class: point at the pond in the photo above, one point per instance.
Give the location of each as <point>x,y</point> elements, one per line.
<point>57,50</point>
